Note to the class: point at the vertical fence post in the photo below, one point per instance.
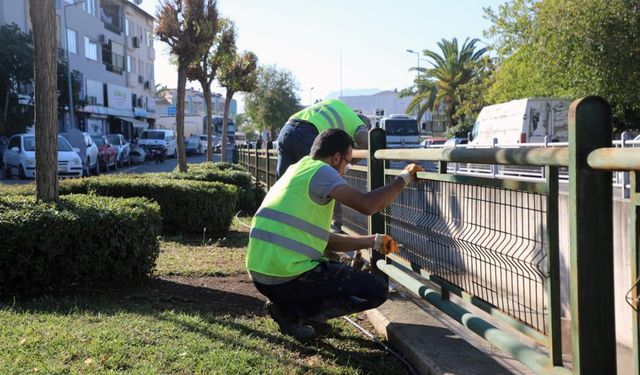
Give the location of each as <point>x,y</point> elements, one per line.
<point>634,237</point>
<point>268,177</point>
<point>624,175</point>
<point>554,316</point>
<point>591,265</point>
<point>375,179</point>
<point>256,172</point>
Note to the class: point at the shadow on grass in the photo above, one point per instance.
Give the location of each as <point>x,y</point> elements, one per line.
<point>157,296</point>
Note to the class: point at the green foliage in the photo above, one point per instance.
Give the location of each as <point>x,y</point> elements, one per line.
<point>186,206</point>
<point>563,48</point>
<point>274,99</point>
<point>76,84</point>
<point>249,196</point>
<point>472,96</point>
<point>16,68</point>
<point>83,240</point>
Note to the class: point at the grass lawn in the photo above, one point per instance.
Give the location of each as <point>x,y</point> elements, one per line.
<point>199,315</point>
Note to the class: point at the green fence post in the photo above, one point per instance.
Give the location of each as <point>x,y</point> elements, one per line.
<point>256,173</point>
<point>375,179</point>
<point>268,166</point>
<point>591,236</point>
<point>554,315</point>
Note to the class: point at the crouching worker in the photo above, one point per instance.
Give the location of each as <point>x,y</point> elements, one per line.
<point>291,231</point>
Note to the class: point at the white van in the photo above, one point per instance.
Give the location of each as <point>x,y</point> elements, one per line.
<point>522,121</point>
<point>402,131</point>
<point>154,137</point>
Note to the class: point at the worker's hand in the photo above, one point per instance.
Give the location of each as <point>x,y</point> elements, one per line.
<point>385,244</point>
<point>409,173</point>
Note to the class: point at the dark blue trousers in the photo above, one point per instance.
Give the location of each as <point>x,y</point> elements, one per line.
<point>294,143</point>
<point>327,291</point>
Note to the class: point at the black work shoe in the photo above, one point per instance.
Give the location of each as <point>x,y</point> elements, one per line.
<point>322,328</point>
<point>289,326</point>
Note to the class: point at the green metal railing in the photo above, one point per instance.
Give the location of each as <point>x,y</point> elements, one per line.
<point>494,242</point>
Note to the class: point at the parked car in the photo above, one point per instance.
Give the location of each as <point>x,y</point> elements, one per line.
<point>433,141</point>
<point>123,149</point>
<point>155,137</point>
<point>88,150</point>
<point>106,153</point>
<point>453,142</point>
<point>193,145</point>
<point>203,141</point>
<point>138,154</point>
<point>20,157</point>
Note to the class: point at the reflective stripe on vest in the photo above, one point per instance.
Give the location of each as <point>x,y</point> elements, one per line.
<point>288,243</point>
<point>330,113</point>
<point>293,222</point>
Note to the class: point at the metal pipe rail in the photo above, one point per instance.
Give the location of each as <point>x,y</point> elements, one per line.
<point>615,159</point>
<point>556,157</point>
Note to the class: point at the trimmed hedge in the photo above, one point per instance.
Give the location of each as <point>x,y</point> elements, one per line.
<point>250,195</point>
<point>186,206</point>
<point>82,240</point>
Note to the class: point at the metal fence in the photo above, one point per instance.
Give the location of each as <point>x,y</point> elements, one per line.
<point>494,241</point>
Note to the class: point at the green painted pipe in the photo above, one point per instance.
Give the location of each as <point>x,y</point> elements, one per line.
<point>553,156</point>
<point>533,359</point>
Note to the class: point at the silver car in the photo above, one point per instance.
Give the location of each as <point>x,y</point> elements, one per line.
<point>123,149</point>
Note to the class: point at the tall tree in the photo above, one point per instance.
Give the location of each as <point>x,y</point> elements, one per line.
<point>44,48</point>
<point>205,68</point>
<point>16,68</point>
<point>189,28</point>
<point>569,49</point>
<point>238,74</point>
<point>274,99</point>
<point>424,92</point>
<point>449,69</point>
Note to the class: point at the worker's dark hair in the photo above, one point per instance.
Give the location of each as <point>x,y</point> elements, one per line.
<point>329,142</point>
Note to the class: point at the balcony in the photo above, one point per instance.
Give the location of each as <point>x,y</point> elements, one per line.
<point>113,62</point>
<point>110,15</point>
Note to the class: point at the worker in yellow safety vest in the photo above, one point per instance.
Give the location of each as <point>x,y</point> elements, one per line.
<point>296,136</point>
<point>290,234</point>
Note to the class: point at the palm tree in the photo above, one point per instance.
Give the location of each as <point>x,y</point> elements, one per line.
<point>450,68</point>
<point>424,96</point>
<point>44,50</point>
<point>189,28</point>
<point>236,74</point>
<point>204,69</point>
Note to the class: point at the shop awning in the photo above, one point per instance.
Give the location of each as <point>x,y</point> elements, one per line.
<point>136,123</point>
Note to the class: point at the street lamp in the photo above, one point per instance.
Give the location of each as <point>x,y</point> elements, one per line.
<point>417,55</point>
<point>310,100</point>
<point>66,38</point>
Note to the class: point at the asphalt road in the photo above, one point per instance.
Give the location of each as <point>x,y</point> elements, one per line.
<point>147,167</point>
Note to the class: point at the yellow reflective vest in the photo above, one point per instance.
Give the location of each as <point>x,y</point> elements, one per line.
<point>330,113</point>
<point>290,231</point>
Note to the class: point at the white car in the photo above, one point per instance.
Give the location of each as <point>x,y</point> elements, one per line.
<point>203,141</point>
<point>88,150</point>
<point>20,158</point>
<point>123,149</point>
<point>153,138</point>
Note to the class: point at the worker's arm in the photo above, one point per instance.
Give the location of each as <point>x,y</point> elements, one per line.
<point>340,243</point>
<point>374,201</point>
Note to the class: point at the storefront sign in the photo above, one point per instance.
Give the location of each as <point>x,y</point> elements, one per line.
<point>119,97</point>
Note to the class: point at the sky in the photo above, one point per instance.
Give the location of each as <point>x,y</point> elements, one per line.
<point>335,45</point>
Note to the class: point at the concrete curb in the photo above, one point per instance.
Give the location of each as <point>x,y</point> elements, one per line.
<point>434,346</point>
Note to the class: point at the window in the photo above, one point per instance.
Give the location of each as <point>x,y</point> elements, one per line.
<point>71,41</point>
<point>90,49</point>
<point>128,63</point>
<point>90,6</point>
<point>69,1</point>
<point>113,57</point>
<point>127,27</point>
<point>149,39</point>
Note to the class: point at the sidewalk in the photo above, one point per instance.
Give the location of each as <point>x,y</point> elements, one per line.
<point>436,344</point>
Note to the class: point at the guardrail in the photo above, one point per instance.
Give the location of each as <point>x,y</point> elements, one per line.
<point>493,242</point>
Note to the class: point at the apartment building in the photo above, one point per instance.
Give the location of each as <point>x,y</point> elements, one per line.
<point>102,39</point>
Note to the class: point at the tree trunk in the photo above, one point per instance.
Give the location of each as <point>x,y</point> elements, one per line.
<point>182,83</point>
<point>225,126</point>
<point>44,49</point>
<point>206,89</point>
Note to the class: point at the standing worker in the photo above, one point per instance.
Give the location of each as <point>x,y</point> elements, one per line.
<point>290,236</point>
<point>297,135</point>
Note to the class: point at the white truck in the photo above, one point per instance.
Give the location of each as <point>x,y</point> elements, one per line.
<point>520,121</point>
<point>402,131</point>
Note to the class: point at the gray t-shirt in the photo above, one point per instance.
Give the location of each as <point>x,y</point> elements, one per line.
<point>321,185</point>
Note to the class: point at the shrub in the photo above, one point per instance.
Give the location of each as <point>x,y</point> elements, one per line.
<point>186,206</point>
<point>84,240</point>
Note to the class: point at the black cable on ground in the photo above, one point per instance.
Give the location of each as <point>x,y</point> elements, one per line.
<point>383,345</point>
